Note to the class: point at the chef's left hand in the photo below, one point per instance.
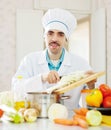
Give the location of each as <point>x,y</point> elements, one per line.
<point>91,84</point>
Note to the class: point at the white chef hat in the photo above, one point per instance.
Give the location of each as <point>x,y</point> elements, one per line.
<point>59,19</point>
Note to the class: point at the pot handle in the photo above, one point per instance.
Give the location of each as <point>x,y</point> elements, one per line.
<point>65,97</point>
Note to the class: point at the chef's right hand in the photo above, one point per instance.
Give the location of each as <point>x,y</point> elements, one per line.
<point>51,77</point>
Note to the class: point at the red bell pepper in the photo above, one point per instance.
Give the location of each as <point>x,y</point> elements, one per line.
<point>1,113</point>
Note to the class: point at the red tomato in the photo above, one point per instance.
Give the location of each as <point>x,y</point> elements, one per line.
<point>105,89</point>
<point>1,112</point>
<point>107,102</point>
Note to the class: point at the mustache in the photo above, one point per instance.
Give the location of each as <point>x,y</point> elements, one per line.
<point>54,43</point>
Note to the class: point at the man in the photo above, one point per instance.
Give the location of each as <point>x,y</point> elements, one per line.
<point>41,70</point>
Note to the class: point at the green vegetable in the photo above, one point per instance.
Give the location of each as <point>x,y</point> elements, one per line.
<point>16,118</point>
<point>10,114</point>
<point>6,98</point>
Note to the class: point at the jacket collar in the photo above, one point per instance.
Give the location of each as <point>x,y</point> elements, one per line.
<point>42,57</point>
<point>66,61</point>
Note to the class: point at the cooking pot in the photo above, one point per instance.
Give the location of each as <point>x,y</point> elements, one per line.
<point>43,100</point>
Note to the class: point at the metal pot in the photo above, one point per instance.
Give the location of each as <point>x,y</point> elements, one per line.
<point>42,101</point>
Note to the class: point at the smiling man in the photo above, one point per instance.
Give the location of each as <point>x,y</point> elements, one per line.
<point>41,70</point>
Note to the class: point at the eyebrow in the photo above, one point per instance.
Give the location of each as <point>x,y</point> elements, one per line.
<point>58,31</point>
<point>61,32</point>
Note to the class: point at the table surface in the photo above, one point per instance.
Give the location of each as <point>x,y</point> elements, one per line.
<point>44,124</point>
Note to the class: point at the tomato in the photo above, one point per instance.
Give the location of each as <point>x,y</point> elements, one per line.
<point>105,89</point>
<point>94,98</point>
<point>107,102</point>
<point>1,112</point>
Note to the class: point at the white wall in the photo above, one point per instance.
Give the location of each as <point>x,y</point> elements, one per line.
<point>79,40</point>
<point>108,11</point>
<point>98,42</point>
<point>8,39</point>
<point>29,32</point>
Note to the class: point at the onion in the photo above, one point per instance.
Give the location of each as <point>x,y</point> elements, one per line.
<point>57,110</point>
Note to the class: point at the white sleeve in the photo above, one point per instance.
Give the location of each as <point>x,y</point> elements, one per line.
<point>33,84</point>
<point>29,82</point>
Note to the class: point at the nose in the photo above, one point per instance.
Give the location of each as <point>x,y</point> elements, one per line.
<point>55,37</point>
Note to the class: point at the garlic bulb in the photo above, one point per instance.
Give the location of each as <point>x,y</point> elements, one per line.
<point>30,115</point>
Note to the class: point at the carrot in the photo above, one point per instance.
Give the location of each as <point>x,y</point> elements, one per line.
<point>79,116</point>
<point>75,122</point>
<point>81,121</point>
<point>65,121</point>
<point>81,111</point>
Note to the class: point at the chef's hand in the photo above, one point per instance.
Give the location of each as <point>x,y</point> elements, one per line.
<point>91,84</point>
<point>51,77</point>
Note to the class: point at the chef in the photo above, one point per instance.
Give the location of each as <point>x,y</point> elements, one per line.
<point>41,70</point>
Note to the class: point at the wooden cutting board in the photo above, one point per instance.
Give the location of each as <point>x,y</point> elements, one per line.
<point>79,83</point>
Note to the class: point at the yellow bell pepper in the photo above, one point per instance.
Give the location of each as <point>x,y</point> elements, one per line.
<point>94,98</point>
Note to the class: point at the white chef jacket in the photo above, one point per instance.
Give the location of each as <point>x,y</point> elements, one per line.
<point>35,64</point>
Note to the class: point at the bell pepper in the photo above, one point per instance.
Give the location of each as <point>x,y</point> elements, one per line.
<point>105,89</point>
<point>94,98</point>
<point>1,113</point>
